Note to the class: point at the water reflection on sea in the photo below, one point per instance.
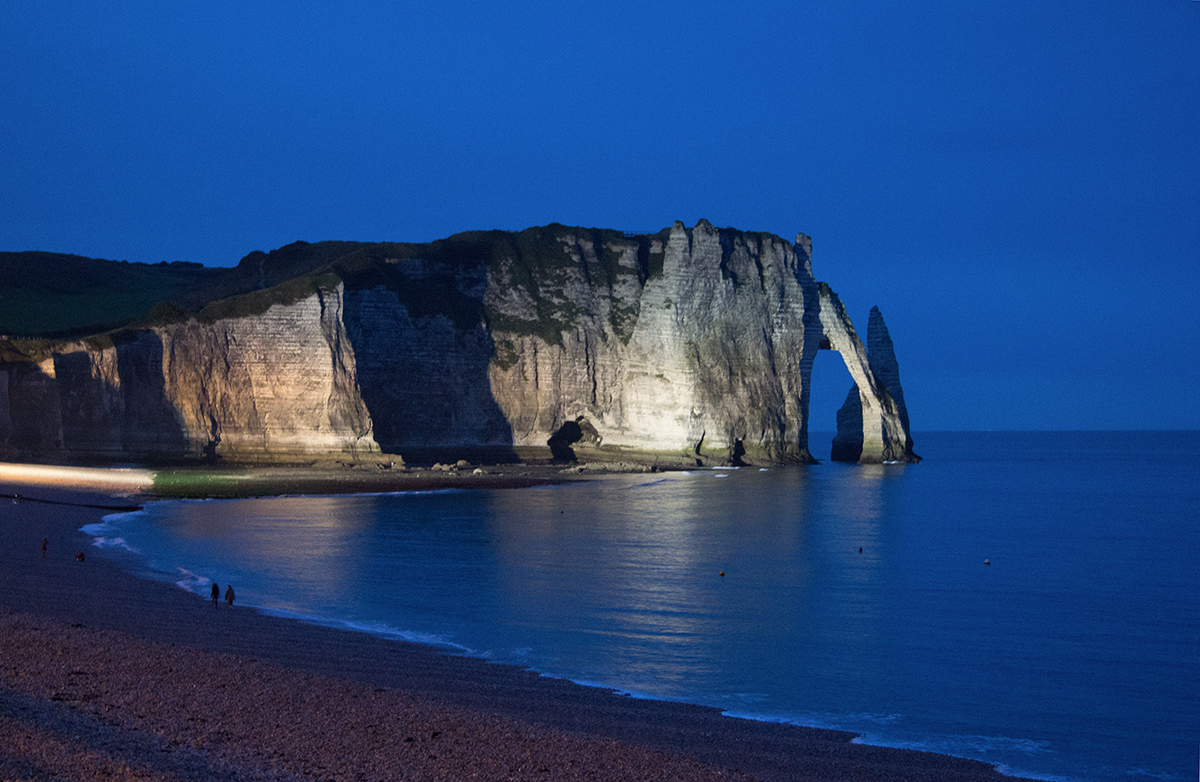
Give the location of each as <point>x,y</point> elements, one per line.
<point>852,597</point>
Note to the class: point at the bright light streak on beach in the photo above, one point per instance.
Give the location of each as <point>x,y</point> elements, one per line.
<point>99,478</point>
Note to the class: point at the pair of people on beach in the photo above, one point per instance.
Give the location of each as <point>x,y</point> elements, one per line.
<point>46,544</point>
<point>216,594</point>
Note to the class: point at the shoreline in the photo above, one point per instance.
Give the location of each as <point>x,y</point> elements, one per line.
<point>245,481</point>
<point>575,731</point>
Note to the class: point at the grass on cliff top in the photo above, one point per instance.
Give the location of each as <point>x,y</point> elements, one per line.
<point>44,294</point>
<point>25,351</point>
<point>427,284</point>
<point>68,296</point>
<point>258,302</point>
<point>542,262</point>
<point>448,276</point>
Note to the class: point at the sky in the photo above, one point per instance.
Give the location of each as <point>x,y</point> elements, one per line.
<point>1015,184</point>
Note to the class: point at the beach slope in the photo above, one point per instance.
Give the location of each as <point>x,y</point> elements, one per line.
<point>107,676</point>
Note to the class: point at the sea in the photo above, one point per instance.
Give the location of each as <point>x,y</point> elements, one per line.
<point>1028,599</point>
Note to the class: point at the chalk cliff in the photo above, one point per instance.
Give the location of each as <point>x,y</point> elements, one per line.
<point>873,424</point>
<point>280,382</point>
<point>692,345</point>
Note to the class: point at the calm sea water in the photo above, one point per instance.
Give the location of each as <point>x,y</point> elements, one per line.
<point>857,598</point>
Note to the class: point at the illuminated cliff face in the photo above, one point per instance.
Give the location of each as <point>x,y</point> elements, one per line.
<point>698,343</point>
<point>690,345</point>
<point>716,349</point>
<point>281,382</point>
<point>873,426</point>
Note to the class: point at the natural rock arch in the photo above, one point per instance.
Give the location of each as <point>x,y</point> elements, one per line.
<point>872,424</point>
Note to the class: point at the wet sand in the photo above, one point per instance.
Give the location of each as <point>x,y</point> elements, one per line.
<point>107,676</point>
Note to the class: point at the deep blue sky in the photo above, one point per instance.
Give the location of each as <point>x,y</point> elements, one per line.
<point>1015,184</point>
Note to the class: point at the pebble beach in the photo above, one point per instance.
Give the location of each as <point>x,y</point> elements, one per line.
<point>107,676</point>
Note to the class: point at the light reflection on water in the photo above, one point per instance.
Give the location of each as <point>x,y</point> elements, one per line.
<point>853,597</point>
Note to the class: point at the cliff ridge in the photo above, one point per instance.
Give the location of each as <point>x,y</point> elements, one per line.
<point>688,346</point>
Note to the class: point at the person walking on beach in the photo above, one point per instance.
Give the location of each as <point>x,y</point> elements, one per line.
<point>216,594</point>
<point>229,595</point>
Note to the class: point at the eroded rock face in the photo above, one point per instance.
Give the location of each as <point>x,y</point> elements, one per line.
<point>5,416</point>
<point>717,363</point>
<point>279,383</point>
<point>695,346</point>
<point>873,425</point>
<point>34,424</point>
<point>424,380</point>
<point>690,345</point>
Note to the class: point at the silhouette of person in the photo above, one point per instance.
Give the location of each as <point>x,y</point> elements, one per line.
<point>45,542</point>
<point>229,595</point>
<point>216,594</point>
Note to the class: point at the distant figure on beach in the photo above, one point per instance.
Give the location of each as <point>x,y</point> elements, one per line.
<point>45,542</point>
<point>216,594</point>
<point>229,595</point>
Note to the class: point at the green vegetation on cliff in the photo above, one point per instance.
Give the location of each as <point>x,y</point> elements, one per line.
<point>49,294</point>
<point>556,270</point>
<point>258,302</point>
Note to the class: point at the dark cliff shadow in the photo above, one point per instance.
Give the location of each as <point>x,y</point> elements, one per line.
<point>33,426</point>
<point>425,379</point>
<point>151,426</point>
<point>79,414</point>
<point>91,407</point>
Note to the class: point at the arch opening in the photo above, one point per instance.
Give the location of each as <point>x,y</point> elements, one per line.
<point>828,387</point>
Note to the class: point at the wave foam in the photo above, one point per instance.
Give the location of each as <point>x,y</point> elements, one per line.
<point>957,745</point>
<point>378,629</point>
<point>192,582</point>
<point>104,532</point>
<point>111,543</point>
